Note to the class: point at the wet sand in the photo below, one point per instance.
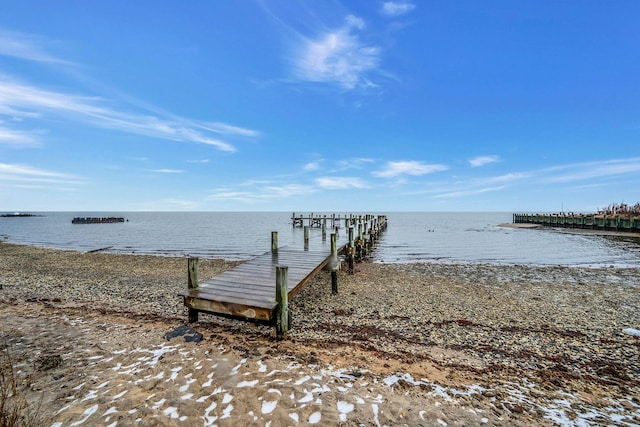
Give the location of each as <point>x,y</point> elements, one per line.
<point>401,344</point>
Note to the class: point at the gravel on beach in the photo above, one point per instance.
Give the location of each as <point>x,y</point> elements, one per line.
<point>564,328</point>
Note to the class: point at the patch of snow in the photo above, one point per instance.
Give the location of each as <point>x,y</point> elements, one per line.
<point>171,412</point>
<point>227,412</point>
<point>269,406</point>
<point>631,331</point>
<point>242,384</point>
<point>302,380</point>
<point>315,418</point>
<point>374,408</point>
<point>186,386</point>
<point>306,398</point>
<point>92,395</point>
<point>158,404</point>
<point>86,414</point>
<point>344,408</point>
<point>119,395</point>
<point>210,380</point>
<point>110,411</point>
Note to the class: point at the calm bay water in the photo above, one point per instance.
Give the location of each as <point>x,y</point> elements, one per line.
<point>411,236</point>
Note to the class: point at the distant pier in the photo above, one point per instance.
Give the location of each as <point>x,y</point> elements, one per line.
<point>608,222</point>
<point>97,220</point>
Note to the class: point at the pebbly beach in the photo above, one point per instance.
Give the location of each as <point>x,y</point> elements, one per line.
<point>401,344</point>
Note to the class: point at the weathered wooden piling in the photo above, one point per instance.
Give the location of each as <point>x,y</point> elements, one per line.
<point>274,241</point>
<point>334,264</point>
<point>351,251</point>
<point>192,283</point>
<point>282,301</point>
<point>306,237</point>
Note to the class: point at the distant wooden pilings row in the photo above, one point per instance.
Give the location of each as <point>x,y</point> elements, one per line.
<point>333,220</point>
<point>369,227</point>
<point>622,222</point>
<point>96,220</point>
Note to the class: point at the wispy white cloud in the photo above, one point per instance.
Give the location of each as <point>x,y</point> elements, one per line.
<point>391,8</point>
<point>337,56</point>
<point>354,163</point>
<point>171,204</point>
<point>29,47</point>
<point>483,160</point>
<point>24,173</point>
<point>466,193</point>
<point>311,166</point>
<point>413,168</point>
<point>19,100</point>
<point>588,174</point>
<point>167,171</point>
<point>507,178</point>
<point>265,192</point>
<point>22,101</point>
<point>199,161</point>
<point>287,190</point>
<point>591,170</point>
<point>227,129</point>
<point>340,183</point>
<point>17,138</point>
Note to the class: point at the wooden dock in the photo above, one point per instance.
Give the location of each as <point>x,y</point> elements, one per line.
<point>260,288</point>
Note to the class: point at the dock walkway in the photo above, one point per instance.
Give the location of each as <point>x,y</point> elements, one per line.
<point>250,290</point>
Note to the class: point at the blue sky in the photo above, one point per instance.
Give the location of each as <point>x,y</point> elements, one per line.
<point>320,105</point>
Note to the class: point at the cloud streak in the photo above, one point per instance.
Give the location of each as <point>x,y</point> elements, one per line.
<point>393,9</point>
<point>267,192</point>
<point>413,168</point>
<point>24,173</point>
<point>15,138</point>
<point>19,100</point>
<point>483,160</point>
<point>591,170</point>
<point>27,46</point>
<point>340,183</point>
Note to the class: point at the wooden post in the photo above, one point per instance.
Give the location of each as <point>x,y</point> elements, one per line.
<point>351,250</point>
<point>282,299</point>
<point>334,266</point>
<point>192,283</point>
<point>274,241</point>
<point>324,228</point>
<point>306,237</point>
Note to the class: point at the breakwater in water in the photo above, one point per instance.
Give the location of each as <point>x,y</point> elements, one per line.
<point>96,220</point>
<point>611,222</point>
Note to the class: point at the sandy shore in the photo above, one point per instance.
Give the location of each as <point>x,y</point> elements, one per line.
<point>408,344</point>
